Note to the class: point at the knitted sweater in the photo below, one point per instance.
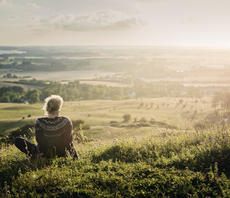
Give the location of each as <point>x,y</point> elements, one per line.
<point>54,136</point>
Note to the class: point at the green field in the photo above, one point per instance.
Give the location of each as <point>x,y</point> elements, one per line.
<point>99,113</point>
<point>127,160</point>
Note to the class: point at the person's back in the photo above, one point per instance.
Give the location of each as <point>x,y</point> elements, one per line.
<point>53,133</point>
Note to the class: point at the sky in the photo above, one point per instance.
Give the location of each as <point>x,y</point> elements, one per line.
<point>115,22</point>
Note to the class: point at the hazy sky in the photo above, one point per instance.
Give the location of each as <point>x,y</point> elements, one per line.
<point>115,22</point>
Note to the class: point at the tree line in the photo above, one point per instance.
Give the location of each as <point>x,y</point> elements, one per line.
<point>76,91</point>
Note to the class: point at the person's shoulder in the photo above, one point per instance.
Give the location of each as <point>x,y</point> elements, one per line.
<point>66,119</point>
<point>39,119</point>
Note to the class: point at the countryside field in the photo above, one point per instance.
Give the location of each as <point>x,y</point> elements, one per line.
<point>99,113</point>
<point>169,146</point>
<point>126,160</point>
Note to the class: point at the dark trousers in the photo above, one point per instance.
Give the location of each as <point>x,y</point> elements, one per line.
<point>26,147</point>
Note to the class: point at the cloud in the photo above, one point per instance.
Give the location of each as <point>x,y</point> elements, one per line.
<point>32,5</point>
<point>100,20</point>
<point>5,2</point>
<point>13,17</point>
<point>8,3</point>
<point>188,20</point>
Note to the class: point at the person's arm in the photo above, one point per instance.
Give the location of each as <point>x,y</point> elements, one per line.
<point>39,137</point>
<point>73,151</point>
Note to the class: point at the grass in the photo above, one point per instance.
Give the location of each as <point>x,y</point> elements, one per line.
<point>18,111</point>
<point>162,164</point>
<point>123,161</point>
<point>99,113</point>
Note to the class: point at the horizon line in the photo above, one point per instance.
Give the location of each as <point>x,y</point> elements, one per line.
<point>153,46</point>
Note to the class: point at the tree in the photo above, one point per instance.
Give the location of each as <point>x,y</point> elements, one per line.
<point>17,89</point>
<point>181,101</point>
<point>45,93</point>
<point>127,117</point>
<point>34,98</point>
<point>8,75</point>
<point>87,96</point>
<point>4,90</point>
<point>10,95</point>
<point>4,99</point>
<point>95,93</point>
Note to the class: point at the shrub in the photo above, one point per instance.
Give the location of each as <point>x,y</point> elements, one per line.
<point>114,123</point>
<point>116,97</point>
<point>141,104</point>
<point>126,117</point>
<point>143,119</point>
<point>86,127</point>
<point>26,130</point>
<point>79,136</point>
<point>152,121</point>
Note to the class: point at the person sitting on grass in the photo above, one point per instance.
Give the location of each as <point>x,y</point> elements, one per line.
<point>53,133</point>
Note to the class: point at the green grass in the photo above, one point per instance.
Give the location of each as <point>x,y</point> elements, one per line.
<point>10,125</point>
<point>123,161</point>
<point>17,111</point>
<point>163,164</point>
<point>99,113</point>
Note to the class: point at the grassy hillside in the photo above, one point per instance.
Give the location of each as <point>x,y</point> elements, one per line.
<point>164,164</point>
<point>130,159</point>
<point>181,113</point>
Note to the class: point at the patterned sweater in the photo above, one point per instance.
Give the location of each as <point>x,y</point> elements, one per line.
<point>54,136</point>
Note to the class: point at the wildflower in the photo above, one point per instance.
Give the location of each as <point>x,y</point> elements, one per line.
<point>8,192</point>
<point>23,191</point>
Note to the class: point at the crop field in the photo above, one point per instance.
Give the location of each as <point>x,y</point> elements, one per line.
<point>61,75</point>
<point>109,84</point>
<point>25,87</point>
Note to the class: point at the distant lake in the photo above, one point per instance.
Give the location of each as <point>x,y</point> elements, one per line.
<point>11,52</point>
